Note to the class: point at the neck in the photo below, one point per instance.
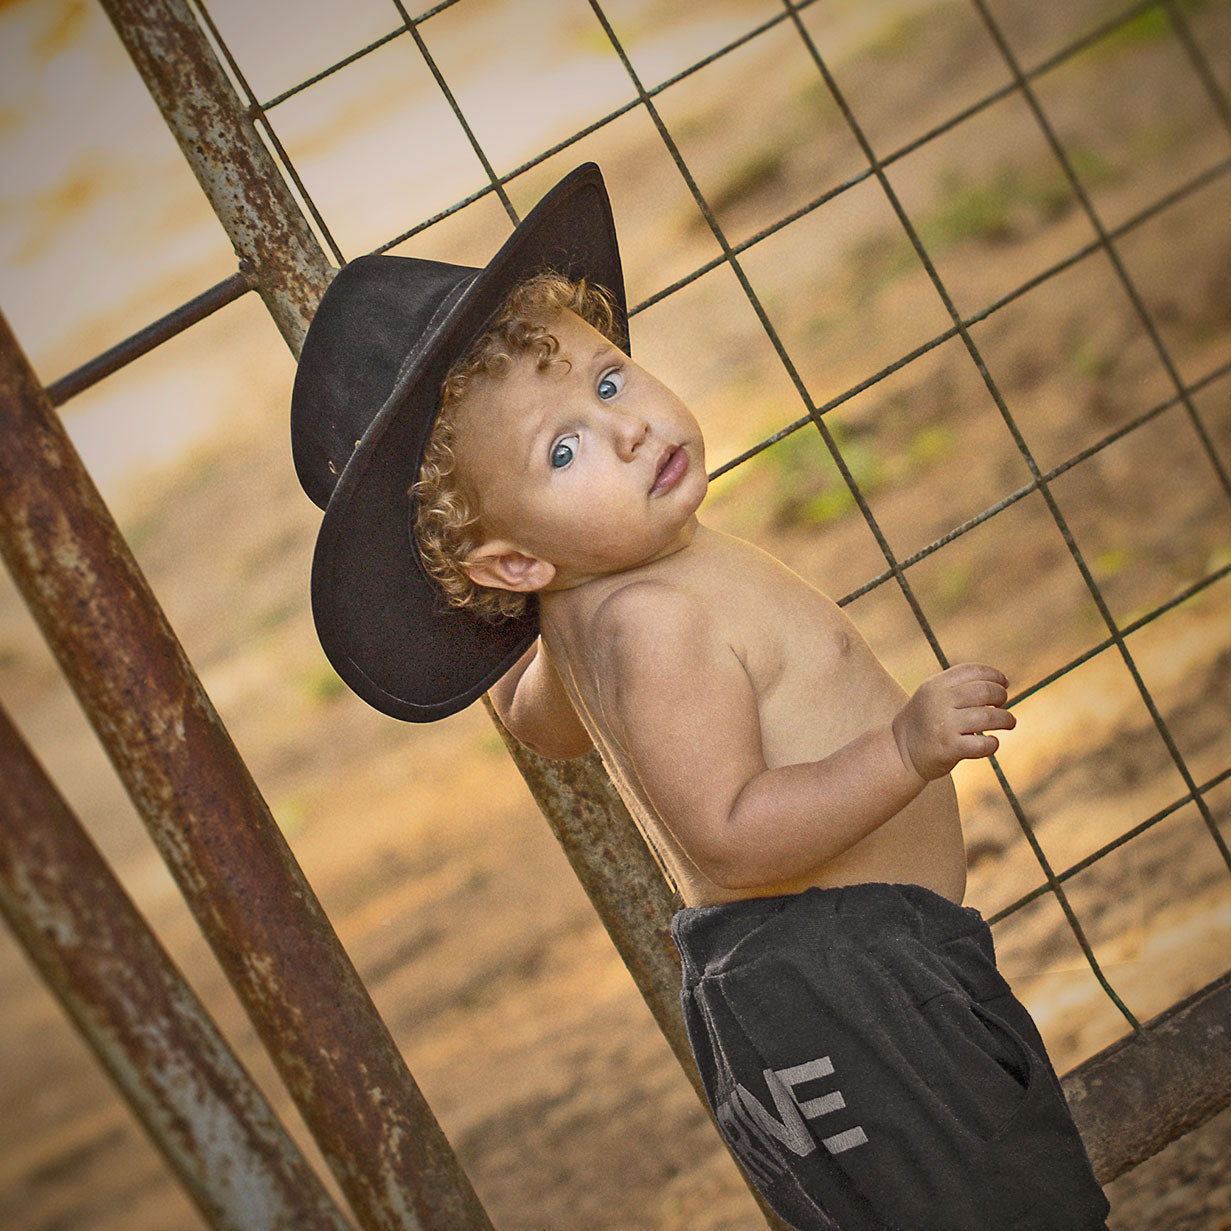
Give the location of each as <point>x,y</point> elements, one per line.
<point>567,579</point>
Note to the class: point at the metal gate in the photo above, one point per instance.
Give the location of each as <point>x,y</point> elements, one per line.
<point>206,815</point>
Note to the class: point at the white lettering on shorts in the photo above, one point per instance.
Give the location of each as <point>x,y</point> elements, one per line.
<point>758,1136</point>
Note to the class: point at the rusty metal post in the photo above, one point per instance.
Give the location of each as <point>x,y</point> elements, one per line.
<point>272,237</point>
<point>277,249</point>
<point>142,1021</point>
<point>214,830</point>
<point>280,255</point>
<point>619,874</point>
<point>1152,1086</point>
<point>625,886</point>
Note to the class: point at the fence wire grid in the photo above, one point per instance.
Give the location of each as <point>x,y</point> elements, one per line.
<point>1069,215</point>
<point>1144,21</point>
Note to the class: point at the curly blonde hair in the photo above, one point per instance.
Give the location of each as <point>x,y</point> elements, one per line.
<point>447,524</point>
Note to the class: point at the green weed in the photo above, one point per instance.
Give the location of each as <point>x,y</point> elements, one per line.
<point>878,261</point>
<point>1157,138</point>
<point>322,684</point>
<point>953,587</point>
<point>898,36</point>
<point>275,615</point>
<point>805,486</point>
<point>1010,202</point>
<point>808,488</point>
<point>988,210</point>
<point>1092,168</point>
<point>1112,562</point>
<point>1220,558</point>
<point>1084,357</point>
<point>929,444</point>
<point>290,815</point>
<point>751,175</point>
<point>1151,26</point>
<point>977,211</point>
<point>828,506</point>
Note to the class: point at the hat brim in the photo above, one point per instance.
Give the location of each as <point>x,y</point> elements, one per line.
<point>382,622</point>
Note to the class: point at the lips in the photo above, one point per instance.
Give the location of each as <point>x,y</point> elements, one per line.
<point>672,466</point>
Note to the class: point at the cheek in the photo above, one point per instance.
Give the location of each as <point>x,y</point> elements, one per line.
<point>598,526</point>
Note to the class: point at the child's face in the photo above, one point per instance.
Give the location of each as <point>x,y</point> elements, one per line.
<point>579,469</point>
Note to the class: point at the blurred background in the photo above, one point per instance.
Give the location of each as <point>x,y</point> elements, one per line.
<point>512,1008</point>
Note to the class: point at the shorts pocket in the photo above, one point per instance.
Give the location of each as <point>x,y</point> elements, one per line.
<point>985,1073</point>
<point>1038,1174</point>
<point>1014,1058</point>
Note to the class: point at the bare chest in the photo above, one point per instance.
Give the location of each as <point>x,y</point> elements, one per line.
<point>818,689</point>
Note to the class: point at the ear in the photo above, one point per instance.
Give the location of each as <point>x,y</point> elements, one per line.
<point>500,565</point>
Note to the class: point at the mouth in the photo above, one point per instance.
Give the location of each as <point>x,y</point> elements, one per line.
<point>672,466</point>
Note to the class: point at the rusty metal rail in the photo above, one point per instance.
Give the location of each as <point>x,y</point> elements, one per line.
<point>145,340</point>
<point>209,822</point>
<point>277,250</point>
<point>282,258</point>
<point>142,1021</point>
<point>625,885</point>
<point>1141,1093</point>
<point>194,792</point>
<point>622,879</point>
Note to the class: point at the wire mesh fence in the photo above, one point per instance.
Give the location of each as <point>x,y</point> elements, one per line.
<point>1068,193</point>
<point>946,285</point>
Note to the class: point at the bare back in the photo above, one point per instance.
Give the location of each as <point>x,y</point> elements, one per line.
<point>792,658</point>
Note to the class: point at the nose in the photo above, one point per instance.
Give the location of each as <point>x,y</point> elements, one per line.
<point>630,432</point>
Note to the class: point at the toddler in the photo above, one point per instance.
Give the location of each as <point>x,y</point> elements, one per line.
<point>865,1060</point>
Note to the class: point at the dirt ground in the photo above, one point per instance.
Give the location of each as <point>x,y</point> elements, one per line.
<point>444,884</point>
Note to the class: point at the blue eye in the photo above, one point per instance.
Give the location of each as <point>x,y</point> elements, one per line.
<point>562,453</point>
<point>609,384</point>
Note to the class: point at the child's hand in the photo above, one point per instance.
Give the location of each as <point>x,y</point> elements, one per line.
<point>943,723</point>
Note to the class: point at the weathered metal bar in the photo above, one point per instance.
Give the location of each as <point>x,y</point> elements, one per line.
<point>273,241</point>
<point>145,340</point>
<point>625,885</point>
<point>142,1021</point>
<point>599,838</point>
<point>588,817</point>
<point>214,830</point>
<point>1153,1086</point>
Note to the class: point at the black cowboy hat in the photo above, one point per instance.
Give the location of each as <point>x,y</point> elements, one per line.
<point>366,395</point>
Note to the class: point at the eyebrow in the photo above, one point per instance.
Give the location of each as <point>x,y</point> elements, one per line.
<point>544,427</point>
<point>533,446</point>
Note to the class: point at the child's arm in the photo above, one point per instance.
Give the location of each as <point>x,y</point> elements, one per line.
<point>533,704</point>
<point>686,713</point>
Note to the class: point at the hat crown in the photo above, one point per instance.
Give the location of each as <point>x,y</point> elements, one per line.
<point>372,322</point>
<point>366,396</point>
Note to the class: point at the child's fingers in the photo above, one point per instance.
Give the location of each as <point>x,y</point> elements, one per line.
<point>964,672</point>
<point>986,718</point>
<point>980,692</point>
<point>974,746</point>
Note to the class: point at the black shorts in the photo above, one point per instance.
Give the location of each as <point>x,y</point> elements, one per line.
<point>869,1066</point>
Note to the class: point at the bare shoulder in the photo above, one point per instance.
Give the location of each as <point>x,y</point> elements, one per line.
<point>690,596</point>
<point>654,626</point>
<point>533,703</point>
<point>656,646</point>
<point>649,604</point>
